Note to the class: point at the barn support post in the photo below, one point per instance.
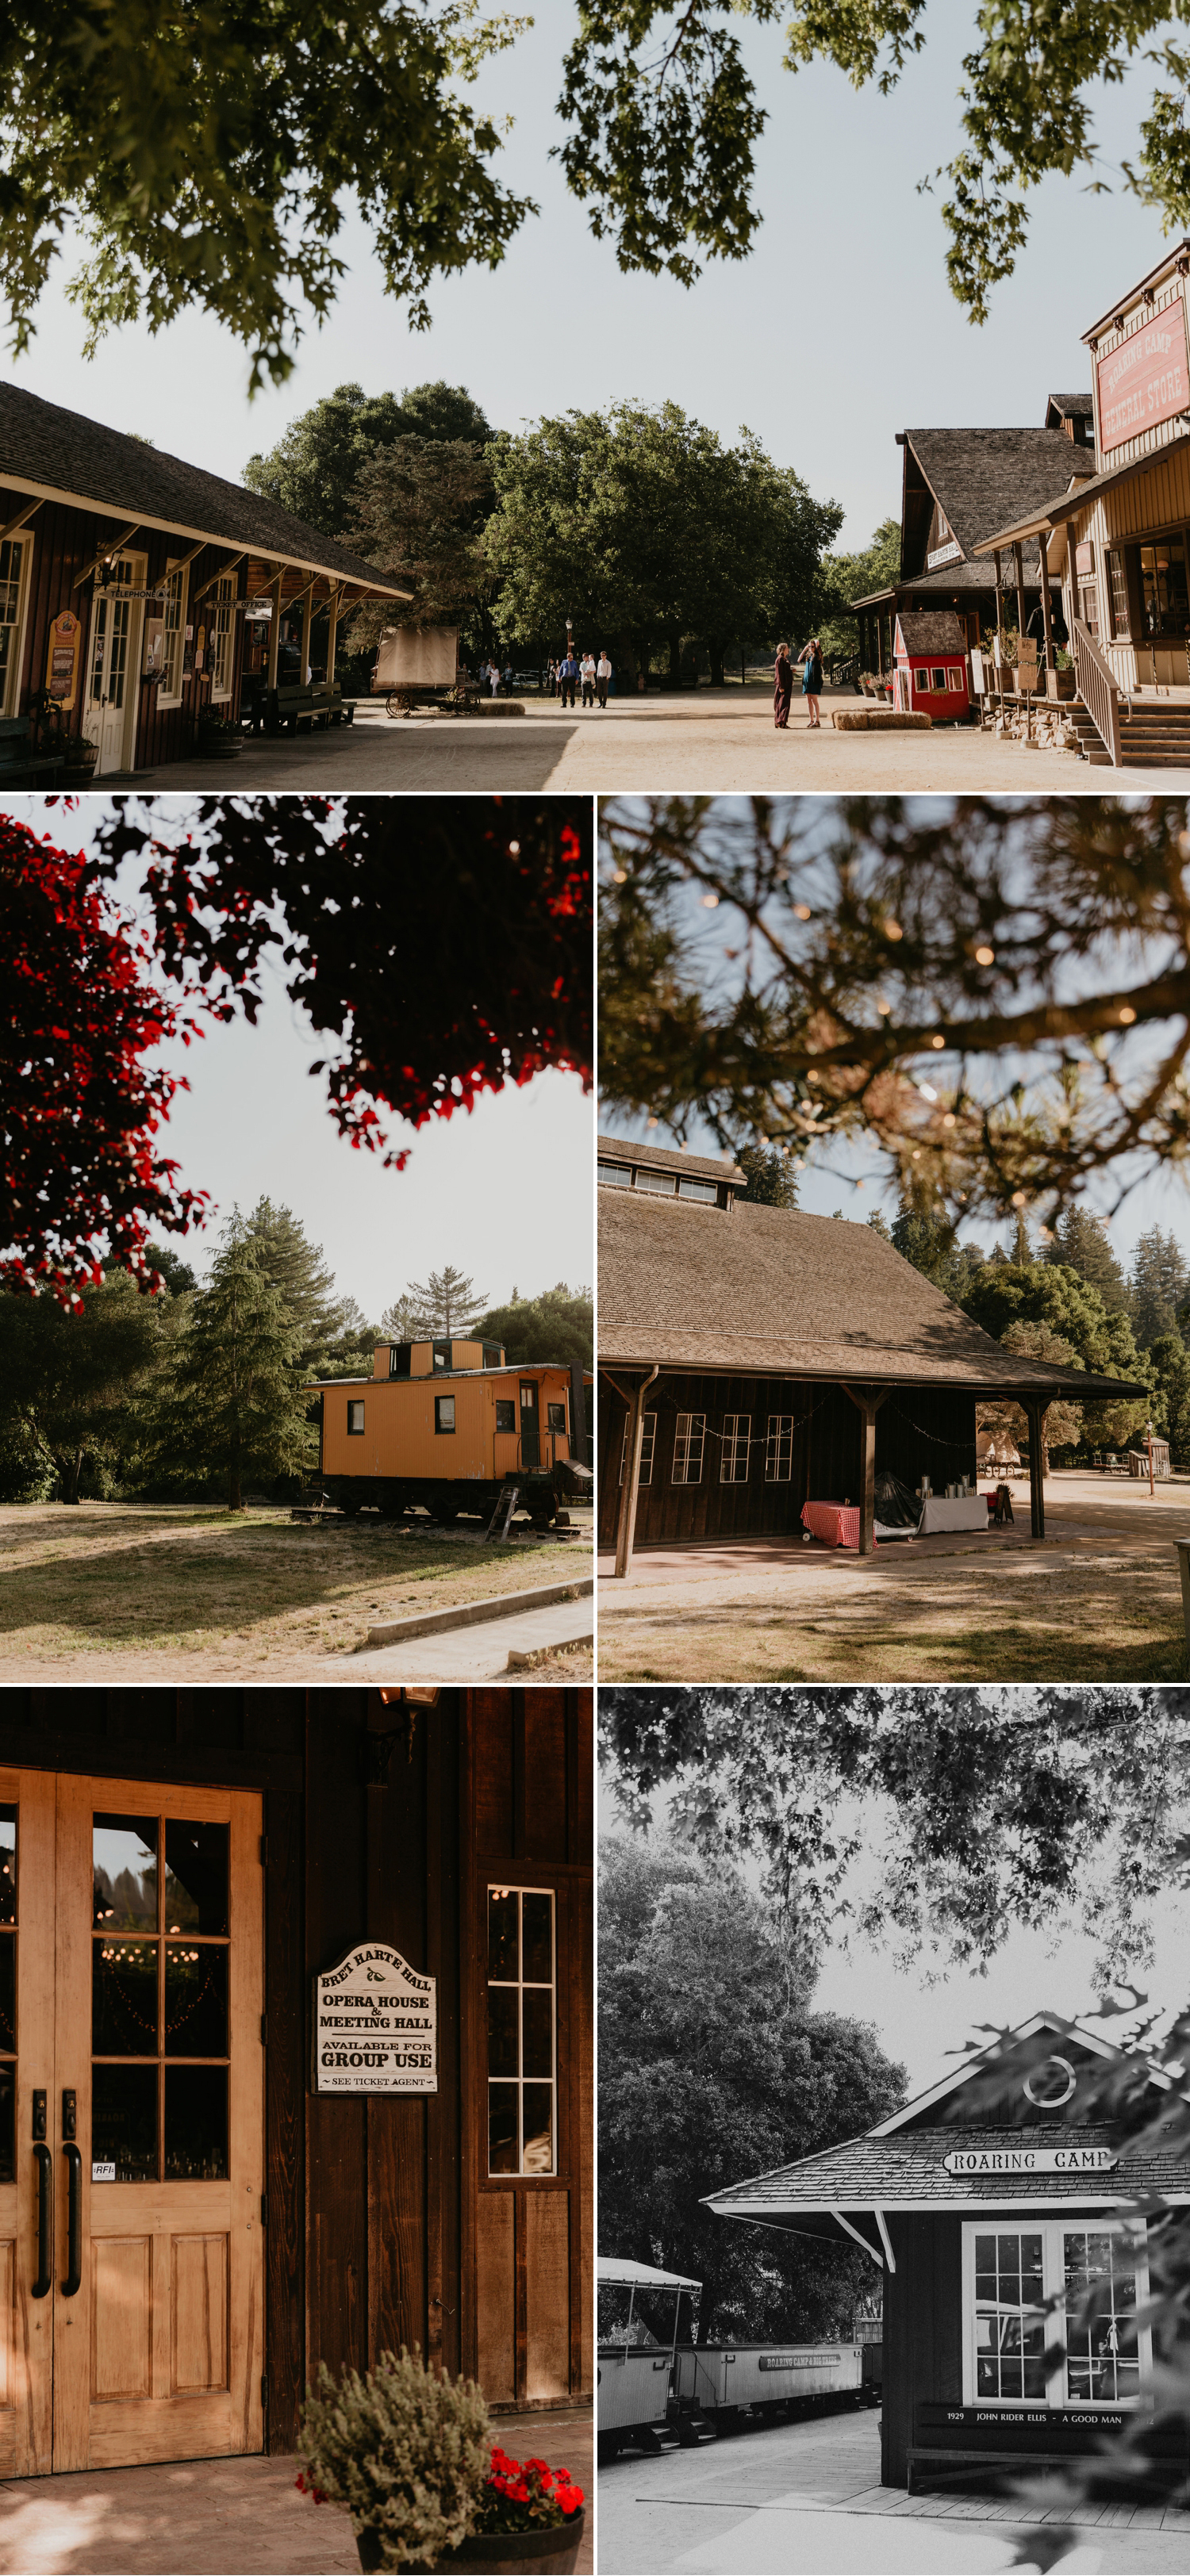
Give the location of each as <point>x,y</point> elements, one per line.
<point>867,1401</point>
<point>1019,564</point>
<point>999,589</point>
<point>626,1521</point>
<point>1046,617</point>
<point>1035,1412</point>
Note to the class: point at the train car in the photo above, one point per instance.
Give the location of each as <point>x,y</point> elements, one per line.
<point>449,1425</point>
<point>640,2314</point>
<point>721,2381</point>
<point>415,664</point>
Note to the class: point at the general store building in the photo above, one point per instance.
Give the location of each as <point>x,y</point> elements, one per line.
<point>137,590</point>
<point>1000,2207</point>
<point>221,2162</point>
<point>956,486</point>
<point>753,1359</point>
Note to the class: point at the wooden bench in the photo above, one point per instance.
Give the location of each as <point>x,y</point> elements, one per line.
<point>316,704</point>
<point>20,765</point>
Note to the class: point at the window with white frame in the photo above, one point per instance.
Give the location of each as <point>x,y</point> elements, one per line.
<point>522,2031</point>
<point>173,635</point>
<point>733,1449</point>
<point>222,635</point>
<point>689,1443</point>
<point>12,604</point>
<point>1050,2314</point>
<point>778,1453</point>
<point>646,1450</point>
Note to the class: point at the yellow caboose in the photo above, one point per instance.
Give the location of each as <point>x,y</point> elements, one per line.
<point>449,1425</point>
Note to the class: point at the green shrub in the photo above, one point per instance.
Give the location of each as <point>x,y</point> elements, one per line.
<point>406,2450</point>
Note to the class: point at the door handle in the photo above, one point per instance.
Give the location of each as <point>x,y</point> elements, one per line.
<point>45,2195</point>
<point>74,2207</point>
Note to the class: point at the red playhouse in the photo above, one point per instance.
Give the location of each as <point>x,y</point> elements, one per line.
<point>931,665</point>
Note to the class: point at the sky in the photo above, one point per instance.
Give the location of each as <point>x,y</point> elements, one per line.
<point>923,2013</point>
<point>853,1178</point>
<point>505,1195</point>
<point>837,331</point>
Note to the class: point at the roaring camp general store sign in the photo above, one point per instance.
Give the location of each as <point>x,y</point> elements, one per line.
<point>375,2025</point>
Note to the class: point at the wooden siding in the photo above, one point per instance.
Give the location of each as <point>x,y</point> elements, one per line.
<point>399,1438</point>
<point>923,2330</point>
<point>64,540</point>
<point>919,1431</point>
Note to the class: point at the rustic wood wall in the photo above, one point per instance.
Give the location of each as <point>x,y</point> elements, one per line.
<point>65,539</point>
<point>919,1431</point>
<point>923,2330</point>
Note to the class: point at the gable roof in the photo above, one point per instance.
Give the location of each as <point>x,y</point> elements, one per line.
<point>931,630</point>
<point>1068,504</point>
<point>975,2060</point>
<point>62,456</point>
<point>982,478</point>
<point>773,1292</point>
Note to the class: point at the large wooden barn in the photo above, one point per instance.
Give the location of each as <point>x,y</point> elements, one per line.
<point>1000,2207</point>
<point>752,1359</point>
<point>295,2057</point>
<point>138,591</point>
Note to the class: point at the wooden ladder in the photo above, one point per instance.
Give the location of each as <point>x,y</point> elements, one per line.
<point>506,1502</point>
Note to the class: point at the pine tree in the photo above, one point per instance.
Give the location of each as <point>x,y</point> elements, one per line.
<point>1022,1249</point>
<point>296,1268</point>
<point>1080,1242</point>
<point>771,1179</point>
<point>876,1225</point>
<point>1160,1279</point>
<point>448,1303</point>
<point>236,1385</point>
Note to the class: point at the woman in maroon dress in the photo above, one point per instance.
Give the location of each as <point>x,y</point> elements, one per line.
<point>782,687</point>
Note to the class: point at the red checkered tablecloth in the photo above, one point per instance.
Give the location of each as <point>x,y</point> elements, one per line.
<point>837,1523</point>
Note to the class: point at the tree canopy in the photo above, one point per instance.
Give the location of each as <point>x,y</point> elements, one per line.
<point>447,1302</point>
<point>417,510</point>
<point>689,2103</point>
<point>994,992</point>
<point>71,1384</point>
<point>557,1324</point>
<point>313,469</point>
<point>644,527</point>
<point>848,577</point>
<point>236,1379</point>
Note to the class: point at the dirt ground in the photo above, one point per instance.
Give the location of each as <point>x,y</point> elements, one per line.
<point>142,1592</point>
<point>1099,1600</point>
<point>706,740</point>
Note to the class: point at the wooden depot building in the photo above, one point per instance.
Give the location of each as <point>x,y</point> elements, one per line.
<point>295,2057</point>
<point>1008,2221</point>
<point>752,1359</point>
<point>137,592</point>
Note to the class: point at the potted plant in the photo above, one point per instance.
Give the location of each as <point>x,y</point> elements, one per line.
<point>218,737</point>
<point>409,2452</point>
<point>82,752</point>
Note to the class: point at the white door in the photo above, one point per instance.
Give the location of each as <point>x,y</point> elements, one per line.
<point>112,672</point>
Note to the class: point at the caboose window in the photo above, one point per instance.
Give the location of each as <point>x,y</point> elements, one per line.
<point>505,1414</point>
<point>355,1417</point>
<point>556,1417</point>
<point>444,1413</point>
<point>522,2032</point>
<point>442,1355</point>
<point>1050,2315</point>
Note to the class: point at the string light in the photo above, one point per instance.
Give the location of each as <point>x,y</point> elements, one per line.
<point>710,903</point>
<point>985,956</point>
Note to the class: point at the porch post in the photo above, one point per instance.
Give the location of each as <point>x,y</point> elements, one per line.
<point>307,615</point>
<point>331,631</point>
<point>1046,619</point>
<point>1019,562</point>
<point>274,629</point>
<point>999,588</point>
<point>867,1402</point>
<point>1035,1412</point>
<point>626,1518</point>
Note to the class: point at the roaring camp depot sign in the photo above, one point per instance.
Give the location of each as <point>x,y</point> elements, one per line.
<point>375,2025</point>
<point>1030,2160</point>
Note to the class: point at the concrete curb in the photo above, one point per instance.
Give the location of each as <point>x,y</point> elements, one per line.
<point>473,1614</point>
<point>522,1658</point>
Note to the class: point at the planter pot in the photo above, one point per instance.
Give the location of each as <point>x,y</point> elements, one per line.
<point>81,768</point>
<point>544,2552</point>
<point>218,746</point>
<point>1060,684</point>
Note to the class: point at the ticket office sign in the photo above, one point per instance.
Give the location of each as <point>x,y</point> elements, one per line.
<point>375,2025</point>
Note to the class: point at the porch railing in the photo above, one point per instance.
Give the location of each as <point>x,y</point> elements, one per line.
<point>1099,690</point>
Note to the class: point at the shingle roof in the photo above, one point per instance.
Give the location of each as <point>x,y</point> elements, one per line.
<point>704,1167</point>
<point>67,457</point>
<point>1059,506</point>
<point>985,478</point>
<point>931,630</point>
<point>771,1291</point>
<point>1075,406</point>
<point>871,2173</point>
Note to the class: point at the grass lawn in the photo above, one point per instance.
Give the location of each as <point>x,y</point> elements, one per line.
<point>216,1590</point>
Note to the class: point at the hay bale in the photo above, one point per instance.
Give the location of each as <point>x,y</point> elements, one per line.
<point>874,719</point>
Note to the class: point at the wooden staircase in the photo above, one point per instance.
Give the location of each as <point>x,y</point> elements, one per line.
<point>1154,734</point>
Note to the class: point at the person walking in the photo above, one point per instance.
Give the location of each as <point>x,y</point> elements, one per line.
<point>811,662</point>
<point>782,687</point>
<point>494,677</point>
<point>603,673</point>
<point>552,676</point>
<point>588,672</point>
<point>568,678</point>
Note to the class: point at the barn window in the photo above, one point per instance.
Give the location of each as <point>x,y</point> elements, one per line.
<point>733,1452</point>
<point>646,1451</point>
<point>663,1182</point>
<point>522,2032</point>
<point>1050,2315</point>
<point>444,1413</point>
<point>617,1175</point>
<point>697,1190</point>
<point>505,1414</point>
<point>778,1455</point>
<point>938,681</point>
<point>355,1416</point>
<point>688,1448</point>
<point>954,676</point>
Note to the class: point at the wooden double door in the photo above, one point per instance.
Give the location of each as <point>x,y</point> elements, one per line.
<point>131,2122</point>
